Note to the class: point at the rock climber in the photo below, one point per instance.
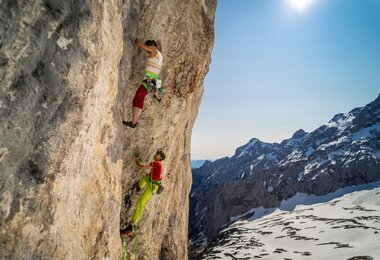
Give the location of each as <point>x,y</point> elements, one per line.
<point>148,185</point>
<point>151,81</point>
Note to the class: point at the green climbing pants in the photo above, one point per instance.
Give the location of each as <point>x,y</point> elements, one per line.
<point>144,197</point>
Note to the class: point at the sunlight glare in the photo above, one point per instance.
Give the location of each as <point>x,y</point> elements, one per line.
<point>300,5</point>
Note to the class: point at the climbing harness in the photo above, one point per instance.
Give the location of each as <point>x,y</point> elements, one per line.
<point>152,82</point>
<point>160,188</point>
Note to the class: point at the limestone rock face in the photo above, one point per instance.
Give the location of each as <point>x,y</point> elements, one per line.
<point>68,73</point>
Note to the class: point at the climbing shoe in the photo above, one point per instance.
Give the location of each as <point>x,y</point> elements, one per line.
<point>130,124</point>
<point>137,188</point>
<point>128,231</point>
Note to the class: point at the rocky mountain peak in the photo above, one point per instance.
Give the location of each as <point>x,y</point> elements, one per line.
<point>254,141</point>
<point>253,147</point>
<point>343,152</point>
<point>299,134</point>
<point>338,117</point>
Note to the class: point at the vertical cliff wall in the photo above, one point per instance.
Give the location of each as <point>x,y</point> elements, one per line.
<point>68,73</point>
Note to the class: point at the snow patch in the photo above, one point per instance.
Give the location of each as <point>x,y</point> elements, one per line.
<point>341,229</point>
<point>255,213</point>
<point>280,179</point>
<point>268,187</point>
<point>300,175</point>
<point>344,122</point>
<point>341,140</point>
<point>309,151</point>
<point>254,141</point>
<point>314,165</point>
<point>366,133</point>
<point>295,156</point>
<point>305,199</point>
<point>272,157</point>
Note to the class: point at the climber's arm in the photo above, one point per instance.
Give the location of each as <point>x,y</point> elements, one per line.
<point>143,166</point>
<point>152,50</point>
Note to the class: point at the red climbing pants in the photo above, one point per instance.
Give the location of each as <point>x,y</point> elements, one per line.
<point>138,100</point>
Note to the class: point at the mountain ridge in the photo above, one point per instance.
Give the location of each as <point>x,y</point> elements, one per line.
<point>340,153</point>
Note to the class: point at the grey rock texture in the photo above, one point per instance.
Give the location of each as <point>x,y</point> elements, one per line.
<point>343,152</point>
<point>68,73</point>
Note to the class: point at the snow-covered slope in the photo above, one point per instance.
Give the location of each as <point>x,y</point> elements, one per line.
<point>343,228</point>
<point>343,152</point>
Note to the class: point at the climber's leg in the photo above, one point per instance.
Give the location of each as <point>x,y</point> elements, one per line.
<point>136,114</point>
<point>141,204</point>
<point>143,181</point>
<point>138,103</point>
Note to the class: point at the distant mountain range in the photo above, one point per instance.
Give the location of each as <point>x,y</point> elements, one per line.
<point>197,163</point>
<point>341,153</point>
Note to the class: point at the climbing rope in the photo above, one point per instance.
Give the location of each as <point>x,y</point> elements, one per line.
<point>138,230</point>
<point>125,251</point>
<point>126,254</point>
<point>154,121</point>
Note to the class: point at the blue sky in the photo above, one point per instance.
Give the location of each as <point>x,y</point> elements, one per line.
<point>276,69</point>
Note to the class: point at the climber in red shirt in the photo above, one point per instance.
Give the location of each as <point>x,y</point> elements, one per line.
<point>148,185</point>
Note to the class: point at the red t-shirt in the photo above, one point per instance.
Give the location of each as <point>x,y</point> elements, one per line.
<point>156,171</point>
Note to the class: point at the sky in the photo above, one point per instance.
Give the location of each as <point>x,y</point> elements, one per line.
<point>281,65</point>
